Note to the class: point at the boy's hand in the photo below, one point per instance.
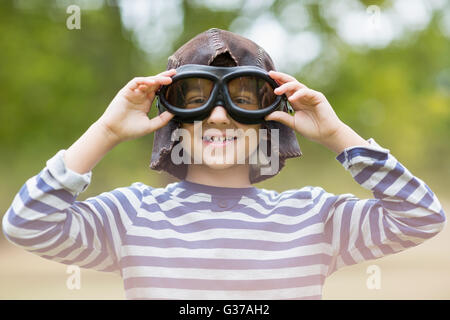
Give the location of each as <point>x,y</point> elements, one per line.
<point>314,117</point>
<point>126,116</point>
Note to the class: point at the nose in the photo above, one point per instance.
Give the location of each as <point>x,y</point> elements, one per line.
<point>219,115</point>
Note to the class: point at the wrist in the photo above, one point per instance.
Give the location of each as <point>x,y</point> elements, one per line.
<point>344,138</point>
<point>104,131</point>
<point>90,148</point>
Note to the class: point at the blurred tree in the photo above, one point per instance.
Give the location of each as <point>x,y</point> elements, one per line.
<point>55,82</point>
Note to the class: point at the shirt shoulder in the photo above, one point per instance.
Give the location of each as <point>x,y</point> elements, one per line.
<point>316,195</point>
<point>134,193</point>
<point>303,193</point>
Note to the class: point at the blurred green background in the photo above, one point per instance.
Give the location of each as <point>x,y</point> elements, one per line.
<point>383,65</point>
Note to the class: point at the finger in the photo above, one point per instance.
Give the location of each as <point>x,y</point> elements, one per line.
<point>143,87</point>
<point>283,78</point>
<point>305,96</point>
<point>159,121</point>
<point>161,78</point>
<point>288,87</point>
<point>281,117</point>
<point>169,73</point>
<point>155,84</point>
<point>134,83</point>
<point>155,81</point>
<point>149,87</point>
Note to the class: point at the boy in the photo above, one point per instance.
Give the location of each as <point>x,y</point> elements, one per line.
<point>212,235</point>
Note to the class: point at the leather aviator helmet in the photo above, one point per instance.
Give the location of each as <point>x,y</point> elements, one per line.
<point>204,49</point>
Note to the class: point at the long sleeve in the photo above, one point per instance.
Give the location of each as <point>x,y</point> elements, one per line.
<point>404,211</point>
<point>45,218</point>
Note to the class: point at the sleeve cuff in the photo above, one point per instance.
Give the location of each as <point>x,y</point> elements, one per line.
<point>69,179</point>
<point>354,154</point>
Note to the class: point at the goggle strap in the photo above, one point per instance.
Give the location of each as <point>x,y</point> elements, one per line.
<point>159,105</point>
<point>290,110</point>
<point>287,107</point>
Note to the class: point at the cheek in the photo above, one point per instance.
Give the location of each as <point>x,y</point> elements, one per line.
<point>252,137</point>
<point>188,137</point>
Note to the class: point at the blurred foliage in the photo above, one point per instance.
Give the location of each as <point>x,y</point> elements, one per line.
<point>56,82</point>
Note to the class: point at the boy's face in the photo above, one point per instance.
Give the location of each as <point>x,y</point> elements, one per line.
<point>220,142</point>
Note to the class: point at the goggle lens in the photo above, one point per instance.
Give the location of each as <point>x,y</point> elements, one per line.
<point>251,93</point>
<point>246,92</point>
<point>189,93</point>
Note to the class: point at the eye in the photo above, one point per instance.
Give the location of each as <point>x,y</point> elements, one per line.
<point>196,100</point>
<point>242,100</point>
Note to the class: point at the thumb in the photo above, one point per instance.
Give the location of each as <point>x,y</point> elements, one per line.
<point>158,121</point>
<point>281,117</point>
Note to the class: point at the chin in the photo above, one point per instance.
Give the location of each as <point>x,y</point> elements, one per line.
<point>217,164</point>
<point>221,161</point>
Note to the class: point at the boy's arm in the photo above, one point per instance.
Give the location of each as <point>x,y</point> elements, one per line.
<point>90,148</point>
<point>403,213</point>
<point>124,119</point>
<point>45,217</point>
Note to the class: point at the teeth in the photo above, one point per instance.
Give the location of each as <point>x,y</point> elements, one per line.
<point>217,139</point>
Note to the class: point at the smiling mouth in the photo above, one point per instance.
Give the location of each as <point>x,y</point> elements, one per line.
<point>218,139</point>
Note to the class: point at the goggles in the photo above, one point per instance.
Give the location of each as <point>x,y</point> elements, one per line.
<point>246,92</point>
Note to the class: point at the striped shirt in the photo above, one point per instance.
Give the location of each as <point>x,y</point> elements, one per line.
<point>193,241</point>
